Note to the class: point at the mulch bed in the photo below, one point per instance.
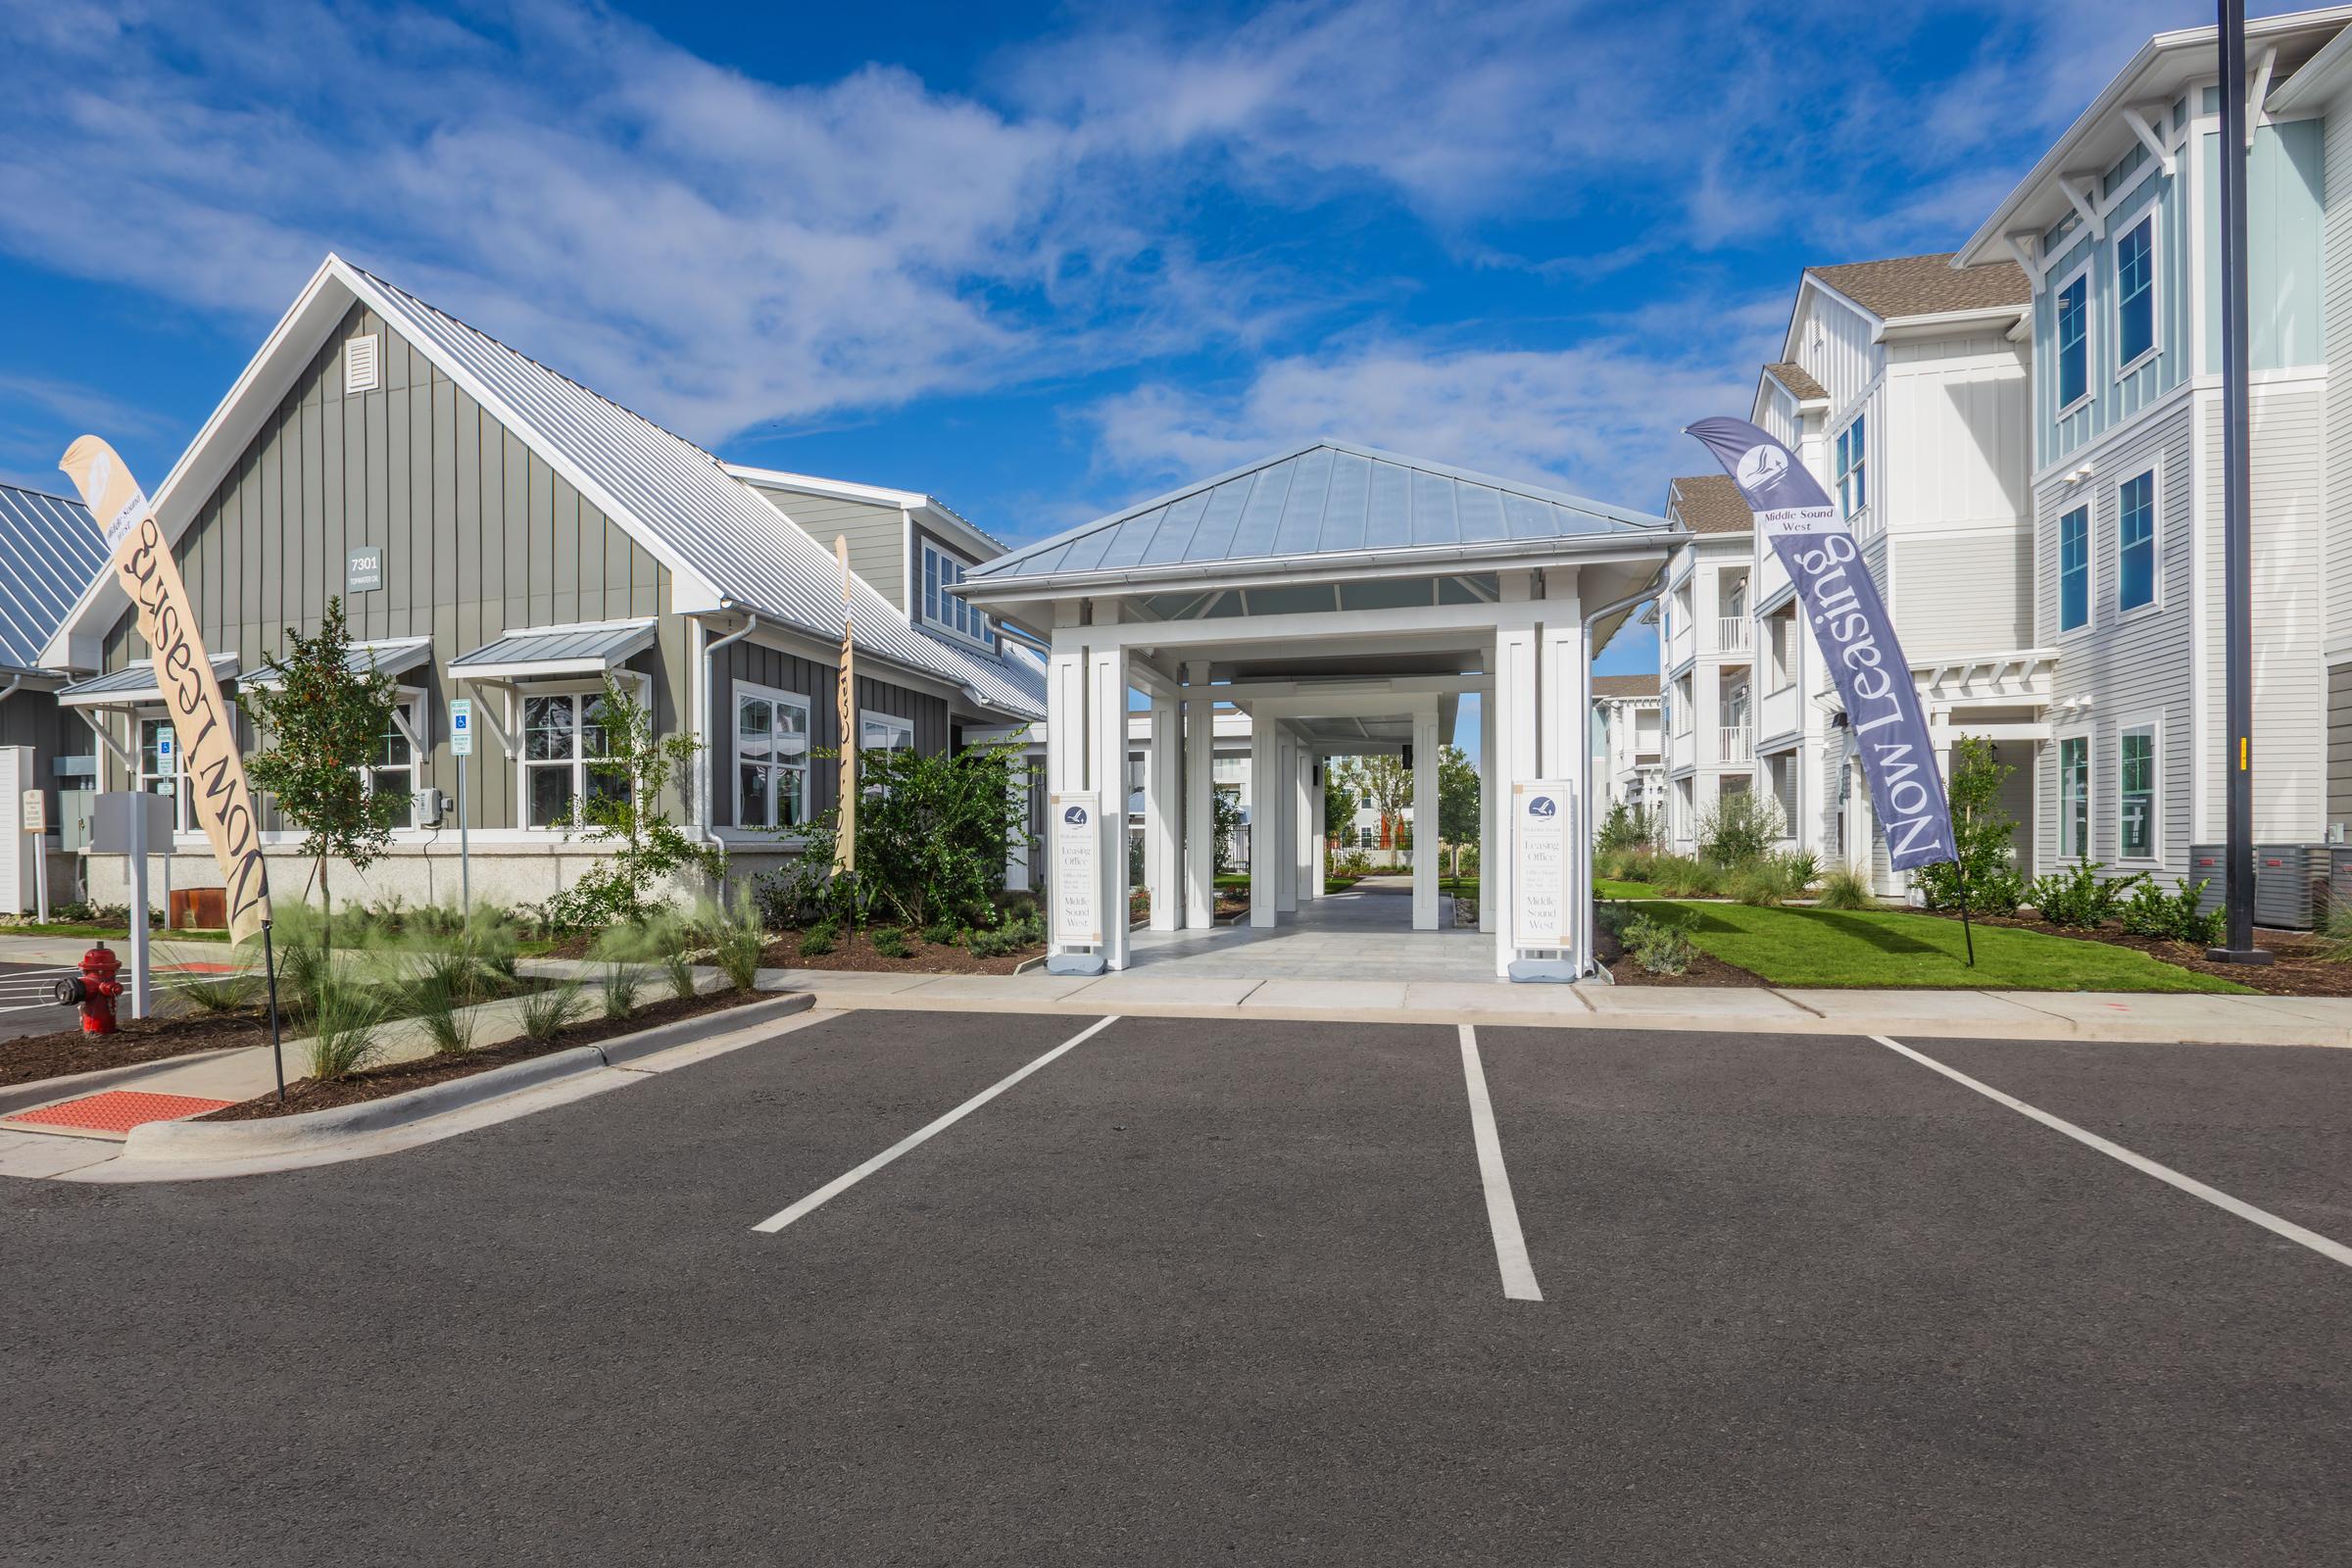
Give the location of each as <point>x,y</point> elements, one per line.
<point>2297,968</point>
<point>1705,969</point>
<point>69,1050</point>
<point>378,1083</point>
<point>852,951</point>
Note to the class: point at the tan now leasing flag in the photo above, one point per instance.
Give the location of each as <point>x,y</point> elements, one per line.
<point>844,837</point>
<point>208,746</point>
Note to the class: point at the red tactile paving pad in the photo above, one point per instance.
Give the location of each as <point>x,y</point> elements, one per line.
<point>119,1110</point>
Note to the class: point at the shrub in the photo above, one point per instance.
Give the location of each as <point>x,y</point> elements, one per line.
<point>1739,828</point>
<point>1025,931</point>
<point>440,1007</point>
<point>2078,898</point>
<point>1625,827</point>
<point>625,815</point>
<point>1771,879</point>
<point>344,1027</point>
<point>548,1011</point>
<point>2175,917</point>
<point>817,939</point>
<point>1678,876</point>
<point>620,985</point>
<point>1982,833</point>
<point>942,932</point>
<point>932,836</point>
<point>207,990</point>
<point>738,939</point>
<point>1847,889</point>
<point>1658,945</point>
<point>890,941</point>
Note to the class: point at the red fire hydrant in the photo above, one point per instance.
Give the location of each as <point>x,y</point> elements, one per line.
<point>96,988</point>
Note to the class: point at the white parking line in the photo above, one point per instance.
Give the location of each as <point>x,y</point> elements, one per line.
<point>843,1183</point>
<point>2268,1221</point>
<point>1502,1214</point>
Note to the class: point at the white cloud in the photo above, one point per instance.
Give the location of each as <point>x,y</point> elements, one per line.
<point>1602,419</point>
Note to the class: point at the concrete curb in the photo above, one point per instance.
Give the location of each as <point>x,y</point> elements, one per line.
<point>196,1142</point>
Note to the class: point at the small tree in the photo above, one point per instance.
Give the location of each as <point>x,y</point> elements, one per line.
<point>1457,801</point>
<point>1386,782</point>
<point>326,721</point>
<point>1228,805</point>
<point>1984,835</point>
<point>933,836</point>
<point>1339,805</point>
<point>1626,827</point>
<point>1740,827</point>
<point>625,811</point>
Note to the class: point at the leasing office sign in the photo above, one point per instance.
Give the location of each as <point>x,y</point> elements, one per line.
<point>1077,871</point>
<point>1852,629</point>
<point>1543,874</point>
<point>216,769</point>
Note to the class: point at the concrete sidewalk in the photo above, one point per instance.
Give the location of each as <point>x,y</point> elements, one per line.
<point>1755,1009</point>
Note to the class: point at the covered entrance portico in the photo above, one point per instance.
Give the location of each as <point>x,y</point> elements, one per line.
<point>1347,600</point>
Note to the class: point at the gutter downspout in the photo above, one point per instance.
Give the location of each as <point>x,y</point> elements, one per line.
<point>1583,757</point>
<point>701,716</point>
<point>10,690</point>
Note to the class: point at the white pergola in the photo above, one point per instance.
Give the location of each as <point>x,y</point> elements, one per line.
<point>1347,600</point>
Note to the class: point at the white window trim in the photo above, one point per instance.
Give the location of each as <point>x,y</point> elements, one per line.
<point>420,754</point>
<point>140,718</point>
<point>874,715</point>
<point>922,573</point>
<point>2146,220</point>
<point>2155,731</point>
<point>2090,793</point>
<point>569,687</point>
<point>2154,472</point>
<point>2091,342</point>
<point>2090,569</point>
<point>768,694</point>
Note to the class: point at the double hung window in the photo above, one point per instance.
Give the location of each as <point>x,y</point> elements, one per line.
<point>2074,341</point>
<point>771,758</point>
<point>563,744</point>
<point>2135,293</point>
<point>2135,542</point>
<point>2074,797</point>
<point>2135,793</point>
<point>2074,570</point>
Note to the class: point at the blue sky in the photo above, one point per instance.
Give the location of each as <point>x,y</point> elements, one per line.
<point>1041,261</point>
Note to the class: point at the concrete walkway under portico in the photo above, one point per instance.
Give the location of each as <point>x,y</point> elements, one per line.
<point>1364,932</point>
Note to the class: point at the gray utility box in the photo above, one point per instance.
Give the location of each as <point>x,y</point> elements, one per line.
<point>2290,881</point>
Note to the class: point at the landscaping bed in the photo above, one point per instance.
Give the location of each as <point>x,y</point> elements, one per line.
<point>1704,968</point>
<point>398,1078</point>
<point>855,949</point>
<point>34,1057</point>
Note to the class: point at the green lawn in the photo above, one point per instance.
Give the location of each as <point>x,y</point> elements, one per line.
<point>106,933</point>
<point>1862,948</point>
<point>1459,887</point>
<point>1607,888</point>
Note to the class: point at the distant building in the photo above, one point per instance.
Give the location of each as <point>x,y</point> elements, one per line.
<point>1629,767</point>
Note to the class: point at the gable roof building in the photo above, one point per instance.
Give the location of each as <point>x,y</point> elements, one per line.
<point>50,553</point>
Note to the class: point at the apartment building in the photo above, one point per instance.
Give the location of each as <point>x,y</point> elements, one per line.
<point>2117,231</point>
<point>1629,754</point>
<point>1903,386</point>
<point>1706,669</point>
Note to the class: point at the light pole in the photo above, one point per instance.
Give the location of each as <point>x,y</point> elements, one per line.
<point>2238,621</point>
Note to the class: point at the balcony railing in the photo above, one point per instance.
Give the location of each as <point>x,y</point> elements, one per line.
<point>1732,634</point>
<point>1738,744</point>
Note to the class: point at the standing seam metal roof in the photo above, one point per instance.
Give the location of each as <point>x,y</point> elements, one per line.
<point>1326,497</point>
<point>702,516</point>
<point>585,645</point>
<point>50,552</point>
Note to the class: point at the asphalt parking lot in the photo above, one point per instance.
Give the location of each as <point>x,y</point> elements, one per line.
<point>27,1007</point>
<point>1230,1292</point>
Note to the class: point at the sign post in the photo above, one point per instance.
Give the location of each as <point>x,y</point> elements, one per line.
<point>1077,909</point>
<point>1545,880</point>
<point>36,823</point>
<point>845,700</point>
<point>461,747</point>
<point>127,823</point>
<point>167,762</point>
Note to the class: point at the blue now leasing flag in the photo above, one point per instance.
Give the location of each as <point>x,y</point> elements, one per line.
<point>1851,629</point>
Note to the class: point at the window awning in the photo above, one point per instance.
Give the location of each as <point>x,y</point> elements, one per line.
<point>543,652</point>
<point>395,657</point>
<point>132,687</point>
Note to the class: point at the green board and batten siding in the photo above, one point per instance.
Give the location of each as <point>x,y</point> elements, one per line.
<point>778,670</point>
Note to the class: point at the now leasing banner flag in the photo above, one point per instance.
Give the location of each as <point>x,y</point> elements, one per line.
<point>1851,629</point>
<point>200,717</point>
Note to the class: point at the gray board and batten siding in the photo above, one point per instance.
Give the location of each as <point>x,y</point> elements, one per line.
<point>479,537</point>
<point>875,533</point>
<point>761,665</point>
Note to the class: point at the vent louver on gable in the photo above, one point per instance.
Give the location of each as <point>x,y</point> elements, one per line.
<point>362,363</point>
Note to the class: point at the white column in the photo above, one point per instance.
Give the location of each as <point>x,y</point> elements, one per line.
<point>1516,759</point>
<point>1282,804</point>
<point>1065,750</point>
<point>1199,799</point>
<point>1163,805</point>
<point>1320,868</point>
<point>1424,819</point>
<point>1106,696</point>
<point>1487,816</point>
<point>1309,888</point>
<point>1264,817</point>
<point>1568,728</point>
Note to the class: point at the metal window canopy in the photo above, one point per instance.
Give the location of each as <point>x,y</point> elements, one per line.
<point>551,653</point>
<point>135,687</point>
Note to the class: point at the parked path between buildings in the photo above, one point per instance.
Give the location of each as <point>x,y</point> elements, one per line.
<point>1376,998</point>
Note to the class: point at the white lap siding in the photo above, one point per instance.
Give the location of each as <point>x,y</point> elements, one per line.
<point>2132,669</point>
